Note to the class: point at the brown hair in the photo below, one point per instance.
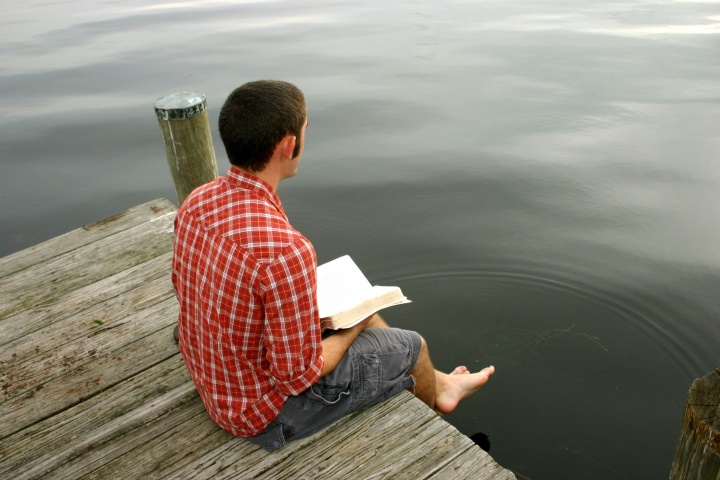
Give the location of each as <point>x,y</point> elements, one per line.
<point>255,117</point>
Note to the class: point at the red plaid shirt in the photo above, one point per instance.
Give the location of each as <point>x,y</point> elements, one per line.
<point>246,283</point>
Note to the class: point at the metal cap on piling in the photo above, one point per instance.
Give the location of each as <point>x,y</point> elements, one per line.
<point>180,106</point>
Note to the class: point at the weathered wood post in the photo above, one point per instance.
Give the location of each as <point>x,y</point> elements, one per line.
<point>698,450</point>
<point>189,150</point>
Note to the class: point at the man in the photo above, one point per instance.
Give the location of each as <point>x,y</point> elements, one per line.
<point>249,329</point>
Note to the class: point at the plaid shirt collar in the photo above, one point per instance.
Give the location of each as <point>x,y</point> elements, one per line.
<point>247,181</point>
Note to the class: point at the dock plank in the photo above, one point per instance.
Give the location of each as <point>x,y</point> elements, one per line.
<point>92,301</point>
<point>90,312</point>
<point>79,382</point>
<point>51,436</point>
<point>93,386</point>
<point>132,432</point>
<point>80,237</point>
<point>44,282</point>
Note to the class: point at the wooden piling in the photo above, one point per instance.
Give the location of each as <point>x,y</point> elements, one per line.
<point>185,127</point>
<point>698,450</point>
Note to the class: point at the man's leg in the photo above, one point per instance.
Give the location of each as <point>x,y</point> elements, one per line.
<point>442,391</point>
<point>377,322</point>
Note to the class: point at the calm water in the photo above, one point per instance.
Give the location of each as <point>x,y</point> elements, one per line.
<point>541,178</point>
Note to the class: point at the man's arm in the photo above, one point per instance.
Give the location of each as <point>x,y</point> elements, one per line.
<point>291,330</point>
<point>336,345</point>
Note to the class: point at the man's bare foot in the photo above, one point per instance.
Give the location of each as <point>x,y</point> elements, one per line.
<point>458,385</point>
<point>460,370</point>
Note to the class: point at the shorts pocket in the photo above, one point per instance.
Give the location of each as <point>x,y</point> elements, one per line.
<point>328,394</point>
<point>370,376</point>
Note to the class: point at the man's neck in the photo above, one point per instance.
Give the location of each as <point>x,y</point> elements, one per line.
<point>265,175</point>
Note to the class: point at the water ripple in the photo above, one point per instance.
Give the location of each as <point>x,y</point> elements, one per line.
<point>627,309</point>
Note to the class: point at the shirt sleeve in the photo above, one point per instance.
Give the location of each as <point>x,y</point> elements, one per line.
<point>292,333</point>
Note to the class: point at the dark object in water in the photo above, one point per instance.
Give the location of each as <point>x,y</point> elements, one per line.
<point>481,440</point>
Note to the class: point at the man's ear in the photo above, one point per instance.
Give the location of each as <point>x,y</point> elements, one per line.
<point>288,145</point>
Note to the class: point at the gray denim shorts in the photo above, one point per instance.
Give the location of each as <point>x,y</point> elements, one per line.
<point>374,369</point>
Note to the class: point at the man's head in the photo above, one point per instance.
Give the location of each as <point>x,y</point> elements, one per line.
<point>258,115</point>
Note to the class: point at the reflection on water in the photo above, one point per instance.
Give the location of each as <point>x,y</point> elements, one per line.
<point>539,177</point>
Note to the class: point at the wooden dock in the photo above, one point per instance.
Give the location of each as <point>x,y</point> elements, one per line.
<point>92,384</point>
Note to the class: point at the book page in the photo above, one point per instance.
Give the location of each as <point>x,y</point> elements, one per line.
<point>382,297</point>
<point>340,286</point>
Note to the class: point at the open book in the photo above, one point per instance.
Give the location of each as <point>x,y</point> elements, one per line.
<point>345,296</point>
